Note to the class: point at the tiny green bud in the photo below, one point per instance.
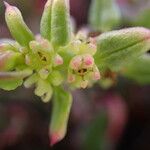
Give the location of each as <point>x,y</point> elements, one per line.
<point>44,90</point>
<point>58,60</point>
<point>17,26</point>
<point>31,80</point>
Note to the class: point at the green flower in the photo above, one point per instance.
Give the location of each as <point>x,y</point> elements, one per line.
<point>82,69</point>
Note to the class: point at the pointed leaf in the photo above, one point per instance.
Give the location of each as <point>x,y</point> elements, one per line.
<point>61,108</point>
<point>46,21</point>
<point>60,25</point>
<point>17,26</point>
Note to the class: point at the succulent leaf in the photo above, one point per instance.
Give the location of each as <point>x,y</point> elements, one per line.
<point>61,109</point>
<point>12,80</point>
<point>60,23</point>
<point>17,26</point>
<point>45,27</point>
<point>117,48</point>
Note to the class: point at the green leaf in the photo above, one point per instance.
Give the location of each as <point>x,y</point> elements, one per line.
<point>10,84</point>
<point>60,23</point>
<point>46,21</point>
<point>12,80</point>
<point>139,70</point>
<point>17,26</point>
<point>104,15</point>
<point>117,48</point>
<point>61,109</point>
<point>9,60</point>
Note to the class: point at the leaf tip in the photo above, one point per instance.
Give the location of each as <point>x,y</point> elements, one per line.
<point>6,4</point>
<point>54,138</point>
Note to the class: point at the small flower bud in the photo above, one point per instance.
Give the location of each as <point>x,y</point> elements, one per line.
<point>84,84</point>
<point>71,78</point>
<point>88,60</point>
<point>58,60</point>
<point>76,62</point>
<point>96,75</point>
<point>44,90</point>
<point>44,73</point>
<point>31,80</point>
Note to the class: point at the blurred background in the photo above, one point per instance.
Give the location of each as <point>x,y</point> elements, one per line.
<point>116,118</point>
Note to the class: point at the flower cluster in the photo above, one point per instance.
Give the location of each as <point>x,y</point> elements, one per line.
<point>82,69</point>
<point>42,58</point>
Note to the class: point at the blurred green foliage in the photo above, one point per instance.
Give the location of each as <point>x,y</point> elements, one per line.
<point>104,15</point>
<point>96,132</point>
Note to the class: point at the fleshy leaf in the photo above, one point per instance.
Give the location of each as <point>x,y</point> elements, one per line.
<point>61,109</point>
<point>60,23</point>
<point>9,59</point>
<point>17,26</point>
<point>104,15</point>
<point>46,21</point>
<point>12,80</point>
<point>117,48</point>
<point>139,70</point>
